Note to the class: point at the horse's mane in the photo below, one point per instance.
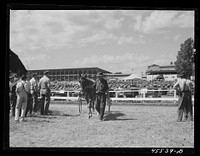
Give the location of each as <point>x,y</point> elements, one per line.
<point>87,83</point>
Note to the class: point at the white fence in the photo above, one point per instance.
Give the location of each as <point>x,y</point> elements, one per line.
<point>125,95</point>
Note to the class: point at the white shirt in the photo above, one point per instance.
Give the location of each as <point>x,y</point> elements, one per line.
<point>28,86</point>
<point>20,87</point>
<point>34,84</point>
<point>44,83</point>
<point>180,84</point>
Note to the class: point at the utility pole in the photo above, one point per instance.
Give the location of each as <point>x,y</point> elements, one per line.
<point>132,73</point>
<point>27,65</point>
<point>132,70</point>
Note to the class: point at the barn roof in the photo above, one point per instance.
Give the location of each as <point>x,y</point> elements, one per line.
<point>15,64</point>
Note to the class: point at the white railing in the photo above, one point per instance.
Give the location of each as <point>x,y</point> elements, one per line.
<point>144,95</point>
<point>121,95</point>
<point>69,95</point>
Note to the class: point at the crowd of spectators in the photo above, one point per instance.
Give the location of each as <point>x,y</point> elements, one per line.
<point>139,83</point>
<point>64,85</point>
<point>117,84</point>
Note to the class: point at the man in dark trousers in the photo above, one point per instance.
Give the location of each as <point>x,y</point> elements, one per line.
<point>183,87</point>
<point>44,87</point>
<point>12,94</point>
<point>101,94</point>
<point>34,91</point>
<point>29,97</point>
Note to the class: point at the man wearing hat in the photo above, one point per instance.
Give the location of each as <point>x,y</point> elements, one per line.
<point>183,86</point>
<point>34,91</point>
<point>101,94</point>
<point>44,87</point>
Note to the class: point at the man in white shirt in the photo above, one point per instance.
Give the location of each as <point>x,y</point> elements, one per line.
<point>34,91</point>
<point>184,86</point>
<point>21,99</point>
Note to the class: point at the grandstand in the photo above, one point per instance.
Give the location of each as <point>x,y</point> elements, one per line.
<point>116,76</point>
<point>158,77</point>
<point>69,74</point>
<point>167,72</point>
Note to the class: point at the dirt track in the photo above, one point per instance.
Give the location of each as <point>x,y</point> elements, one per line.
<point>126,126</point>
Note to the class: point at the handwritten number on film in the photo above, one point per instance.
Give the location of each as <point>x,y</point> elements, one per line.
<point>167,151</point>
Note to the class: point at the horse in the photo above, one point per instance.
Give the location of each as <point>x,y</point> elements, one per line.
<point>89,90</point>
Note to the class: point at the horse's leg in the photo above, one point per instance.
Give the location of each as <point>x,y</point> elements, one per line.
<point>88,102</point>
<point>109,107</point>
<point>80,105</point>
<point>93,105</point>
<point>90,111</point>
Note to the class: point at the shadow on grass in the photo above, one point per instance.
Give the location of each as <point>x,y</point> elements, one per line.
<point>38,121</point>
<point>116,116</point>
<point>53,114</point>
<point>58,113</point>
<point>70,115</point>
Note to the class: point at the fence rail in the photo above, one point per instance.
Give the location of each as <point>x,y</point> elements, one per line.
<point>124,95</point>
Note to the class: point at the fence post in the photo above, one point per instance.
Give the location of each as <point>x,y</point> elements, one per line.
<point>116,94</point>
<point>67,93</point>
<point>144,94</point>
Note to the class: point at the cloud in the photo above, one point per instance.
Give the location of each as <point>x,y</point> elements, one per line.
<point>185,20</point>
<point>177,37</point>
<point>158,21</point>
<point>104,59</point>
<point>126,63</point>
<point>112,23</point>
<point>129,40</point>
<point>122,62</point>
<point>29,60</point>
<point>100,37</point>
<point>48,29</point>
<point>162,59</point>
<point>138,22</point>
<point>41,30</point>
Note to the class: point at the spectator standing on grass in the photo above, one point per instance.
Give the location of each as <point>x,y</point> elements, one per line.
<point>183,86</point>
<point>21,99</point>
<point>29,97</point>
<point>12,94</point>
<point>44,87</point>
<point>101,94</point>
<point>34,91</point>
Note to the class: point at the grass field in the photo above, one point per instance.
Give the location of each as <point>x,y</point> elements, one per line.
<point>125,126</point>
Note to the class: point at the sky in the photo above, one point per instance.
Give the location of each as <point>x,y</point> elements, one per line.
<point>126,41</point>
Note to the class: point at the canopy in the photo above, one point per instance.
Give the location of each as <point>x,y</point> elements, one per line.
<point>159,77</point>
<point>132,76</point>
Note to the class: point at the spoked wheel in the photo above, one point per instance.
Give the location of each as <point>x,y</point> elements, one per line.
<point>80,105</point>
<point>90,114</point>
<point>108,109</point>
<point>108,104</point>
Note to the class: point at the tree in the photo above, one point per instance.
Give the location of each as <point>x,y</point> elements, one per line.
<point>185,61</point>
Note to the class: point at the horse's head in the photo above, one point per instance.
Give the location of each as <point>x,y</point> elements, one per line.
<point>82,81</point>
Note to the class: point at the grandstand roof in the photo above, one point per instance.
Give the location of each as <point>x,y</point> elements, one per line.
<point>160,69</point>
<point>84,68</point>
